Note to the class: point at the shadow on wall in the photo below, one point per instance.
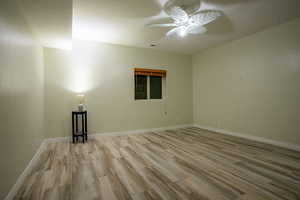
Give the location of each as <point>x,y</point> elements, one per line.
<point>59,104</point>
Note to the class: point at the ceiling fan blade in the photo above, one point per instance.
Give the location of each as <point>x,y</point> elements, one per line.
<point>173,31</point>
<point>178,14</point>
<point>204,17</point>
<point>196,29</point>
<point>161,25</point>
<point>181,31</point>
<point>189,6</point>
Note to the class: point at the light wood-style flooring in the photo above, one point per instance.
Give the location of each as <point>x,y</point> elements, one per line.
<point>188,163</point>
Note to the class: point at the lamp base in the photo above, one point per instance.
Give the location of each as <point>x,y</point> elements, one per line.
<point>81,107</point>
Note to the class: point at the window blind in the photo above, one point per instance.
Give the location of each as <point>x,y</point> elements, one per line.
<point>150,72</point>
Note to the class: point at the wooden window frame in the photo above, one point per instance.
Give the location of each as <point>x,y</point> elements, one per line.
<point>150,72</point>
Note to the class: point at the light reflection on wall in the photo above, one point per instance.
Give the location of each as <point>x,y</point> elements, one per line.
<point>75,69</point>
<point>57,43</point>
<point>81,78</point>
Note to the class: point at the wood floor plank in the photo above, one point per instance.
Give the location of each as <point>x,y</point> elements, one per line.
<point>182,164</point>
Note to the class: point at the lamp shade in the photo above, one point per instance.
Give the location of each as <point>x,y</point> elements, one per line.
<point>81,98</point>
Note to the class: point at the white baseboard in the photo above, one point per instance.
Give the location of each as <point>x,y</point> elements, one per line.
<point>119,133</point>
<point>13,192</point>
<point>250,137</point>
<point>57,139</point>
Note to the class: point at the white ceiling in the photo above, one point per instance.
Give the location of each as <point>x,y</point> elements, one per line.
<point>123,21</point>
<point>50,21</point>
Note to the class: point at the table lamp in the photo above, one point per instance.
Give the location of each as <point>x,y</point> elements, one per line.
<point>81,100</point>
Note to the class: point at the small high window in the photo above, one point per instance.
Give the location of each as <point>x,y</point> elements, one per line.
<point>149,83</point>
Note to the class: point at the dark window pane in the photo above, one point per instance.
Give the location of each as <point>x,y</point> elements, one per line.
<point>155,87</point>
<point>140,87</point>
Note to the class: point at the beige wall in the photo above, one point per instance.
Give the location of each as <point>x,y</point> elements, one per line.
<point>21,95</point>
<point>105,74</point>
<point>59,101</point>
<point>252,85</point>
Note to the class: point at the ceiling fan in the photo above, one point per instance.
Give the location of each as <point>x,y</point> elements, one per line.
<point>185,23</point>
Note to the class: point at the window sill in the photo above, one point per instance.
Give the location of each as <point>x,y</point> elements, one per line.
<point>148,100</point>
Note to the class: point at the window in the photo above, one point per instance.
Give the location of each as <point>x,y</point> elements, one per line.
<point>149,83</point>
<point>155,87</point>
<point>140,87</point>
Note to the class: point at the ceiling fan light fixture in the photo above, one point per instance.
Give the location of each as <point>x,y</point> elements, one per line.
<point>185,23</point>
<point>183,31</point>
